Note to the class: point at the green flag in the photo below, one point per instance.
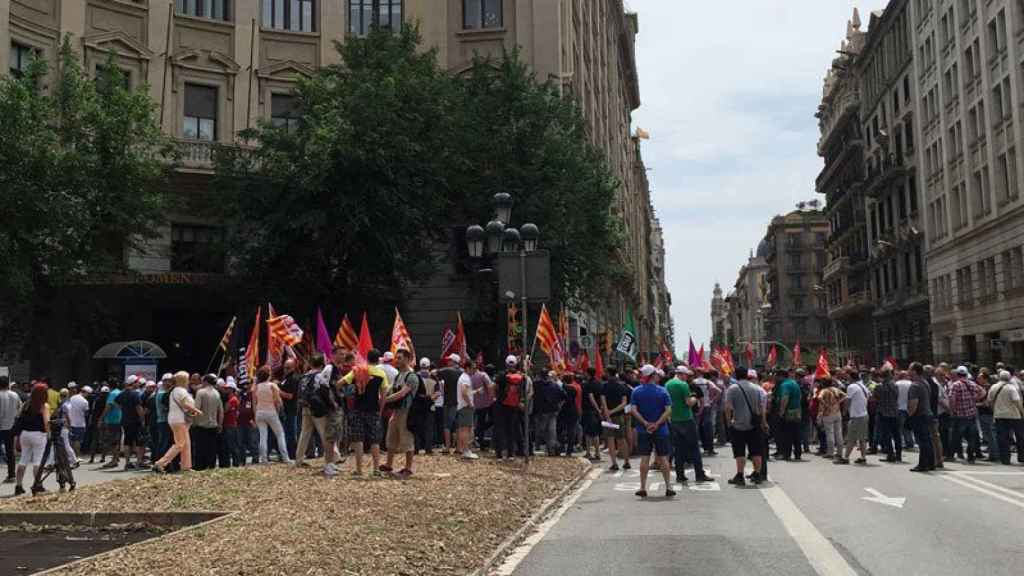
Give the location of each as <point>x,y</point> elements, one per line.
<point>627,342</point>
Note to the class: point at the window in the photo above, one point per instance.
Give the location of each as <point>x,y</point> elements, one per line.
<point>200,113</point>
<point>20,58</point>
<point>793,240</point>
<point>796,281</point>
<point>1006,176</point>
<point>909,127</point>
<point>293,15</point>
<point>194,249</point>
<point>363,15</point>
<point>481,14</point>
<point>964,286</point>
<point>213,9</point>
<point>284,112</point>
<point>794,261</point>
<point>798,304</point>
<point>906,89</point>
<point>1013,269</point>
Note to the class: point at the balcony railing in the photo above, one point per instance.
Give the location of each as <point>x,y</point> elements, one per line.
<point>835,266</point>
<point>851,304</point>
<point>879,176</point>
<point>196,154</point>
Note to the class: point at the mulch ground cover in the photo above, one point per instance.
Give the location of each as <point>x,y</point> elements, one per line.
<point>446,519</point>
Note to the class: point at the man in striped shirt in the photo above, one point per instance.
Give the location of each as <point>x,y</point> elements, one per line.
<point>964,396</point>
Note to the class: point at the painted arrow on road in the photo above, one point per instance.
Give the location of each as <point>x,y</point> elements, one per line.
<point>880,498</point>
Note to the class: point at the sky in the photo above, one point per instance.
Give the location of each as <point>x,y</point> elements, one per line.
<point>729,91</point>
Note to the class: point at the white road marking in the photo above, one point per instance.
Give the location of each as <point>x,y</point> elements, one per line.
<point>523,550</point>
<point>979,482</point>
<point>988,473</point>
<point>880,498</point>
<point>959,480</point>
<point>822,555</point>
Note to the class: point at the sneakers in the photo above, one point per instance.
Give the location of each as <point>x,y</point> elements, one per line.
<point>18,490</point>
<point>626,466</point>
<point>669,493</point>
<point>703,478</point>
<point>737,480</point>
<point>641,493</point>
<point>613,468</point>
<point>469,455</point>
<point>9,480</point>
<point>109,465</point>
<point>330,471</point>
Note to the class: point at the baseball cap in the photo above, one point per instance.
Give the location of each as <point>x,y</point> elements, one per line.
<point>105,389</point>
<point>72,384</point>
<point>167,376</point>
<point>231,384</point>
<point>221,382</point>
<point>87,389</point>
<point>681,369</point>
<point>647,370</point>
<point>388,357</point>
<point>963,371</point>
<point>424,362</point>
<point>132,379</point>
<point>455,359</point>
<point>511,360</point>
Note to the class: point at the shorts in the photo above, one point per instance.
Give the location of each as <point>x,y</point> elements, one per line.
<point>591,424</point>
<point>77,434</point>
<point>111,435</point>
<point>646,441</point>
<point>464,417</point>
<point>131,434</point>
<point>857,430</point>
<point>334,427</point>
<point>450,414</point>
<point>400,439</point>
<point>744,441</point>
<point>364,427</point>
<point>620,421</point>
<point>32,446</point>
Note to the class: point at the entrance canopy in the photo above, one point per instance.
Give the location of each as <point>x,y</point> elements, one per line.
<point>130,351</point>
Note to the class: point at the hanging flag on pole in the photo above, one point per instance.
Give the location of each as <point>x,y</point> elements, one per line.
<point>225,340</point>
<point>822,371</point>
<point>750,354</point>
<point>598,361</point>
<point>282,334</point>
<point>251,358</point>
<point>447,343</point>
<point>323,337</point>
<point>693,357</point>
<point>547,335</point>
<point>461,347</point>
<point>773,357</point>
<point>346,336</point>
<point>628,345</point>
<point>400,338</point>
<point>797,362</point>
<point>365,343</point>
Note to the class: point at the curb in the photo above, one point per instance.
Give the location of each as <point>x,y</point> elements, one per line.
<point>513,539</point>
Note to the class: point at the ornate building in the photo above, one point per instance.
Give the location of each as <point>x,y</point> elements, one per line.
<point>846,279</point>
<point>721,330</point>
<point>747,304</point>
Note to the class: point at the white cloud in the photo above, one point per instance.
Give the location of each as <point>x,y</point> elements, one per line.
<point>729,91</point>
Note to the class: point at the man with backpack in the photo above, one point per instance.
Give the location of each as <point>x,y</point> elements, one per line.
<point>404,390</point>
<point>318,403</point>
<point>366,385</point>
<point>509,409</point>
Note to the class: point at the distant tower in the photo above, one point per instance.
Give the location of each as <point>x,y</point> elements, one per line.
<point>719,316</point>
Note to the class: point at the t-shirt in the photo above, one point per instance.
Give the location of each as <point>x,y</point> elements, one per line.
<point>113,416</point>
<point>592,387</point>
<point>231,412</point>
<point>53,399</point>
<point>919,391</point>
<point>903,386</point>
<point>179,397</point>
<point>679,391</point>
<point>367,400</point>
<point>615,391</point>
<point>450,378</point>
<point>465,390</point>
<point>10,405</point>
<point>291,386</point>
<point>650,401</point>
<point>406,379</point>
<point>129,401</point>
<point>744,396</point>
<point>790,390</point>
<point>391,372</point>
<point>161,414</point>
<point>78,410</point>
<point>858,395</point>
<point>482,386</point>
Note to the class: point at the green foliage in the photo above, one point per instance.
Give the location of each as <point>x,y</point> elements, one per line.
<point>82,167</point>
<point>393,154</point>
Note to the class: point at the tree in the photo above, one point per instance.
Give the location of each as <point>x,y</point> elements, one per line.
<point>82,172</point>
<point>355,197</point>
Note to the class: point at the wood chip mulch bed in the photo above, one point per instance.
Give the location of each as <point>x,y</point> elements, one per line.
<point>446,519</point>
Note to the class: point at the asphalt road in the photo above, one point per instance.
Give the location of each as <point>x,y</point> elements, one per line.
<point>812,518</point>
<point>85,475</point>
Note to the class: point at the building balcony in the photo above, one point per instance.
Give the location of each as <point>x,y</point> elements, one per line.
<point>879,177</point>
<point>835,266</point>
<point>852,304</point>
<point>850,147</point>
<point>199,155</point>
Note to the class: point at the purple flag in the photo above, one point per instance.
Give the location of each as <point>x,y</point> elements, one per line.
<point>323,339</point>
<point>694,358</point>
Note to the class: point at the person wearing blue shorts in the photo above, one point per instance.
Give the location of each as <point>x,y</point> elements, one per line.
<point>651,409</point>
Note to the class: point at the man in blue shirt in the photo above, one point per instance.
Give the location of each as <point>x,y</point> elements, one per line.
<point>652,407</point>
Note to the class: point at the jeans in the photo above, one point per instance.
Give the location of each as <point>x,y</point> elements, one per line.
<point>789,442</point>
<point>706,425</point>
<point>547,431</point>
<point>506,430</point>
<point>922,430</point>
<point>205,448</point>
<point>291,437</point>
<point>250,443</point>
<point>686,449</point>
<point>988,435</point>
<point>961,427</point>
<point>7,439</point>
<point>425,432</point>
<point>268,418</point>
<point>908,435</point>
<point>1004,426</point>
<point>484,421</point>
<point>833,426</point>
<point>234,446</point>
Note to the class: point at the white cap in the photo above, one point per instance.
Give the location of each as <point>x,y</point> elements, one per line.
<point>659,372</point>
<point>511,360</point>
<point>221,382</point>
<point>752,374</point>
<point>87,389</point>
<point>132,379</point>
<point>681,369</point>
<point>167,376</point>
<point>424,362</point>
<point>105,389</point>
<point>455,359</point>
<point>231,384</point>
<point>647,370</point>
<point>72,384</point>
<point>388,357</point>
<point>963,371</point>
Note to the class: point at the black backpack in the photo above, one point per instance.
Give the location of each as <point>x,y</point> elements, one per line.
<point>313,397</point>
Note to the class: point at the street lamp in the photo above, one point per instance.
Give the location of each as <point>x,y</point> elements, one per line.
<point>498,237</point>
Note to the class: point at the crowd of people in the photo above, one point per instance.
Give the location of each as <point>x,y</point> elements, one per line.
<point>395,408</point>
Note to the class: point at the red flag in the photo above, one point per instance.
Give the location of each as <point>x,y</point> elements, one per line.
<point>460,340</point>
<point>447,343</point>
<point>549,340</point>
<point>365,343</point>
<point>773,357</point>
<point>796,355</point>
<point>667,357</point>
<point>704,365</point>
<point>583,361</point>
<point>750,354</point>
<point>598,362</point>
<point>400,338</point>
<point>346,336</point>
<point>730,363</point>
<point>822,370</point>
<point>892,363</point>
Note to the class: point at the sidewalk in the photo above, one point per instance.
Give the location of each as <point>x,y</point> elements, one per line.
<point>85,475</point>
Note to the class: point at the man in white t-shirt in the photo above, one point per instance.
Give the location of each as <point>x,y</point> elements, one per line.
<point>903,384</point>
<point>464,415</point>
<point>78,412</point>
<point>857,429</point>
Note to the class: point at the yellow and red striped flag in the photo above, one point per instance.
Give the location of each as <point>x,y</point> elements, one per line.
<point>346,336</point>
<point>284,328</point>
<point>549,339</point>
<point>225,340</point>
<point>400,336</point>
<point>252,351</point>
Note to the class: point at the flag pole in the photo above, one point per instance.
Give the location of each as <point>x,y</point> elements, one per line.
<point>217,349</point>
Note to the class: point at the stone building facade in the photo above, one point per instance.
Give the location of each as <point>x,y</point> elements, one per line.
<point>747,306</point>
<point>216,67</point>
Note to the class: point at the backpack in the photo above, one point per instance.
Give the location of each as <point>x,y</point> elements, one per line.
<point>311,395</point>
<point>512,384</point>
